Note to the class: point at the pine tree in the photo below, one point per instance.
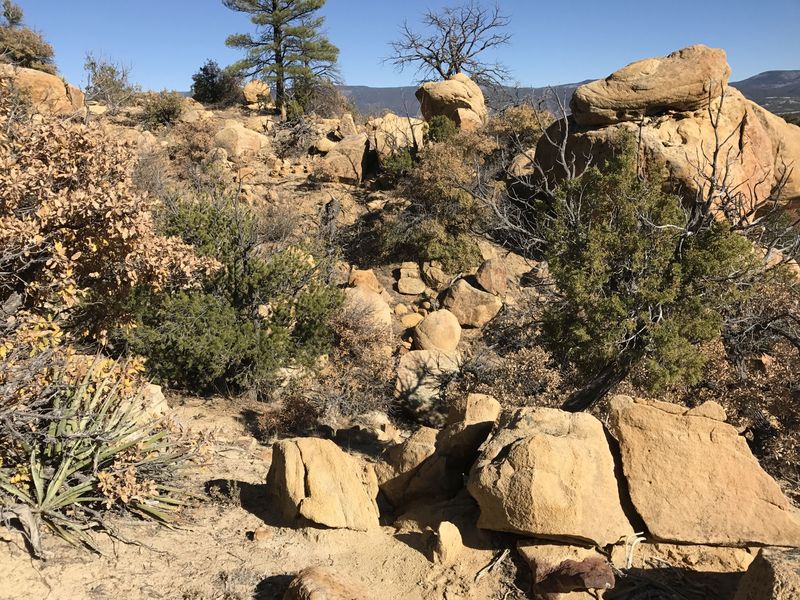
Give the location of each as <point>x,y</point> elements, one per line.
<point>288,47</point>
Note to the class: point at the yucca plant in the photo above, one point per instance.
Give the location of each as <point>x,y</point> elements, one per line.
<point>88,448</point>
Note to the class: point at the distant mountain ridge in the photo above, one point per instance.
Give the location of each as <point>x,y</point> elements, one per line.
<point>777,91</point>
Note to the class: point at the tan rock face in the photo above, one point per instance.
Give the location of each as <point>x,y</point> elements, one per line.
<point>693,479</point>
<point>773,575</point>
<point>313,479</point>
<point>324,583</point>
<point>440,330</point>
<point>458,98</point>
<point>549,473</point>
<point>678,130</point>
<point>471,306</point>
<point>345,161</point>
<point>256,91</point>
<point>679,82</point>
<point>49,94</point>
<point>237,140</point>
<point>391,133</point>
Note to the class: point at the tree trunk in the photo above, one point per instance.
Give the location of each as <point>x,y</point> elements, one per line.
<point>280,76</point>
<point>594,391</point>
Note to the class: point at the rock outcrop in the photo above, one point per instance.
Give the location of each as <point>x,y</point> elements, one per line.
<point>458,98</point>
<point>684,81</point>
<point>391,133</point>
<point>665,104</point>
<point>323,583</point>
<point>256,92</point>
<point>549,473</point>
<point>48,93</point>
<point>693,479</point>
<point>345,160</point>
<point>313,480</point>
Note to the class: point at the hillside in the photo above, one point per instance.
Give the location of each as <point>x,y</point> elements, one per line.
<point>777,91</point>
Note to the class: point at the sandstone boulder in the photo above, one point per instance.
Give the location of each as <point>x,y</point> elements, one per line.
<point>238,141</point>
<point>492,276</point>
<point>549,473</point>
<point>558,569</point>
<point>324,583</point>
<point>345,161</point>
<point>773,575</point>
<point>420,375</point>
<point>48,93</point>
<point>457,98</point>
<point>693,479</point>
<point>313,480</point>
<point>368,306</point>
<point>347,126</point>
<point>471,306</point>
<point>684,81</point>
<point>440,330</point>
<point>674,128</point>
<point>256,92</point>
<point>391,133</point>
<point>434,275</point>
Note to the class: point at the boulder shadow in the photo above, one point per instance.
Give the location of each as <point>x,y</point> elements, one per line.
<point>272,588</point>
<point>252,497</point>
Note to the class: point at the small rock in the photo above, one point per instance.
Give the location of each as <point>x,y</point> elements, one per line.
<point>448,545</point>
<point>411,320</point>
<point>323,583</point>
<point>434,275</point>
<point>401,309</point>
<point>472,307</point>
<point>261,534</point>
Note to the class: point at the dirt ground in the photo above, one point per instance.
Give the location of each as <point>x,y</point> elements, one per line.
<point>211,554</point>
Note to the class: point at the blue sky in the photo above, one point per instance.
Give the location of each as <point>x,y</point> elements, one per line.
<point>165,41</point>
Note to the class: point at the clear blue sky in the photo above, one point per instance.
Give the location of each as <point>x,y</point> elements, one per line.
<point>555,41</point>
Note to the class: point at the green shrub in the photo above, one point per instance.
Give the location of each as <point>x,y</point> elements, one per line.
<point>214,85</point>
<point>442,213</point>
<point>161,109</point>
<point>399,163</point>
<point>440,129</point>
<point>634,290</point>
<point>269,307</point>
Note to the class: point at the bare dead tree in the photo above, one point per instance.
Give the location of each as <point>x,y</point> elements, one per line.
<point>454,41</point>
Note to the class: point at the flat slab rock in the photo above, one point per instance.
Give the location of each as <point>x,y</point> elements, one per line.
<point>314,480</point>
<point>693,479</point>
<point>549,474</point>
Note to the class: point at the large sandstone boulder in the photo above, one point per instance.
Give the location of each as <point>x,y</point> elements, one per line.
<point>391,133</point>
<point>440,330</point>
<point>674,128</point>
<point>693,479</point>
<point>323,583</point>
<point>773,575</point>
<point>48,93</point>
<point>237,140</point>
<point>471,306</point>
<point>345,161</point>
<point>313,480</point>
<point>684,81</point>
<point>548,473</point>
<point>256,92</point>
<point>457,98</point>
